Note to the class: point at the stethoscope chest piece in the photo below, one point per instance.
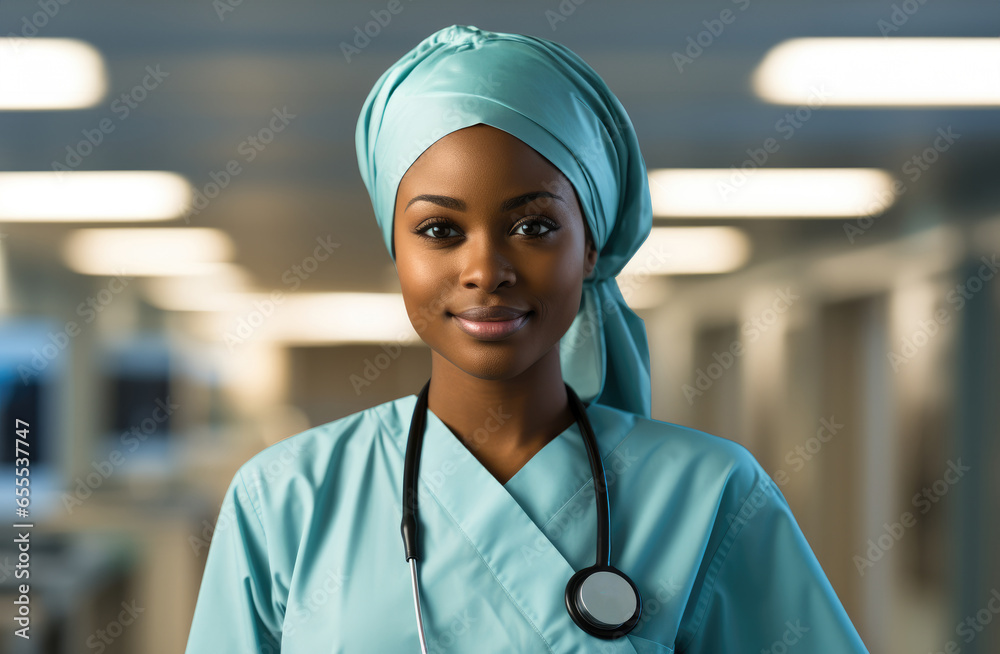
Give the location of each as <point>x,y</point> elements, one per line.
<point>603,601</point>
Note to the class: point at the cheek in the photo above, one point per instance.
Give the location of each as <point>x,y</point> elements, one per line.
<point>562,272</point>
<point>557,282</point>
<point>424,291</point>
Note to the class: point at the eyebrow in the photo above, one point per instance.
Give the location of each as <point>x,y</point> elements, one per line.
<point>506,205</point>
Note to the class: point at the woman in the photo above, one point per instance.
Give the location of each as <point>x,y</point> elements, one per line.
<point>510,190</point>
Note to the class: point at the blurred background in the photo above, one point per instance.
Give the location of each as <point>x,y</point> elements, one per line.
<point>190,271</point>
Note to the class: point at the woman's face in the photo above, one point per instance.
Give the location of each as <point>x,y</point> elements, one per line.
<point>482,220</point>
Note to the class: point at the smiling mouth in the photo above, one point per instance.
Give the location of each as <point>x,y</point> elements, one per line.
<point>493,330</point>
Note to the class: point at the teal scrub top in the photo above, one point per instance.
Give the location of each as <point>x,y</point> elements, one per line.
<point>306,556</point>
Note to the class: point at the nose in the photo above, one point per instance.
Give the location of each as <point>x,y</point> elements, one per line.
<point>486,266</point>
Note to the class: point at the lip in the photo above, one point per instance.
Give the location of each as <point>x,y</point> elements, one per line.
<point>491,314</point>
<point>491,323</point>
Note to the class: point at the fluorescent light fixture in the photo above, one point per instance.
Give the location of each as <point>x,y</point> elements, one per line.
<point>147,251</point>
<point>220,290</point>
<point>687,250</point>
<point>645,292</point>
<point>316,318</point>
<point>874,71</point>
<point>106,195</point>
<point>4,278</point>
<point>344,317</point>
<point>50,74</point>
<point>770,192</point>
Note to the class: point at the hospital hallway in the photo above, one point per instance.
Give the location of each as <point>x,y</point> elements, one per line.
<point>191,271</point>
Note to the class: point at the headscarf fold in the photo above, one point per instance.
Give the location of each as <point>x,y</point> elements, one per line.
<point>545,95</point>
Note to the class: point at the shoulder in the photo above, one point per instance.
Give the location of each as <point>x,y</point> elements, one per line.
<point>304,461</point>
<point>666,458</point>
<point>286,483</point>
<point>677,446</point>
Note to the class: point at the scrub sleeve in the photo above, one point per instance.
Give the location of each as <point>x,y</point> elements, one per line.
<point>234,612</point>
<point>764,589</point>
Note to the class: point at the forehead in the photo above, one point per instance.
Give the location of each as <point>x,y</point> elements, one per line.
<point>483,156</point>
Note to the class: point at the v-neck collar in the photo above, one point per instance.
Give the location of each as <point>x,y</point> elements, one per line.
<point>550,478</point>
<point>547,481</point>
<point>504,522</point>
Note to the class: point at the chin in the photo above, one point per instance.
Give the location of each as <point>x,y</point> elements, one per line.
<point>498,365</point>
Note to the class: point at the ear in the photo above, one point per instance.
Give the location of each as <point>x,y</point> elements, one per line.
<point>590,261</point>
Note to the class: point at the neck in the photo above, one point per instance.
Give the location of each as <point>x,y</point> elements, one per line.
<point>502,422</point>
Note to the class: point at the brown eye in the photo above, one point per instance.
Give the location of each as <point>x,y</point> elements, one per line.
<point>437,230</point>
<point>440,231</point>
<point>535,227</point>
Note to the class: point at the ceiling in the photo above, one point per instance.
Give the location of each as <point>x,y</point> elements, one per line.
<point>226,73</point>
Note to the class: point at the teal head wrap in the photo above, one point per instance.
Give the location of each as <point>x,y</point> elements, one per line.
<point>545,95</point>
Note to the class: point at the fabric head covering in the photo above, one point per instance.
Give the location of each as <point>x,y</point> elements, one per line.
<point>545,95</point>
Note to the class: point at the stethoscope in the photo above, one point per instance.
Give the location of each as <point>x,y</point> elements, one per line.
<point>601,599</point>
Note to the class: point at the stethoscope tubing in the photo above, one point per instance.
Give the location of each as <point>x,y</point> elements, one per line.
<point>411,465</point>
<point>410,523</point>
<point>416,604</point>
<point>600,481</point>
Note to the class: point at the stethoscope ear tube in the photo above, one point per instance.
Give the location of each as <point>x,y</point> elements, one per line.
<point>411,465</point>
